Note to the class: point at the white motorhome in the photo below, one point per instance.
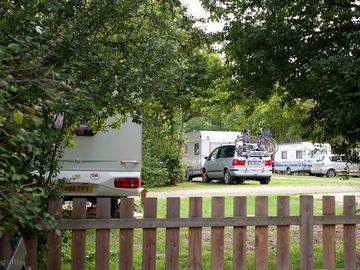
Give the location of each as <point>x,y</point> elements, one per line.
<point>298,156</point>
<point>105,164</point>
<point>199,144</point>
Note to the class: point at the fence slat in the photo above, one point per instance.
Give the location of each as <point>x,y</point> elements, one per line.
<point>261,234</point>
<point>5,248</point>
<point>102,255</point>
<point>329,242</point>
<point>283,235</point>
<point>306,232</point>
<point>78,236</point>
<point>217,234</point>
<point>54,240</point>
<point>239,242</point>
<point>126,255</point>
<point>349,233</point>
<point>195,235</point>
<point>31,245</point>
<point>149,236</point>
<point>172,235</point>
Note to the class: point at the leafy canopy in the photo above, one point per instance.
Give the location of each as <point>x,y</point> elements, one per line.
<point>305,51</point>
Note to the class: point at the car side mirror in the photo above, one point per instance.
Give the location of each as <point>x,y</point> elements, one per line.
<point>206,157</point>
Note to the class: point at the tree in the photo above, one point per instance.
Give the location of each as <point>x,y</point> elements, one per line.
<point>305,51</point>
<point>70,60</point>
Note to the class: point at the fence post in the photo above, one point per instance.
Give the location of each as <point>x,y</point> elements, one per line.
<point>283,235</point>
<point>261,234</point>
<point>78,236</point>
<point>53,239</point>
<point>195,235</point>
<point>306,232</point>
<point>239,244</point>
<point>329,244</point>
<point>126,236</point>
<point>149,236</point>
<point>102,252</point>
<point>349,233</point>
<point>217,234</point>
<point>172,235</point>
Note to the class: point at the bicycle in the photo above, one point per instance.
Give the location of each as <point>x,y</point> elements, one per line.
<point>245,143</point>
<point>266,143</point>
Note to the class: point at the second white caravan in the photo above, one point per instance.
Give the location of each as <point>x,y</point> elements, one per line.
<point>298,156</point>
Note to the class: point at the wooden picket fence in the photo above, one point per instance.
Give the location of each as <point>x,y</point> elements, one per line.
<point>306,221</point>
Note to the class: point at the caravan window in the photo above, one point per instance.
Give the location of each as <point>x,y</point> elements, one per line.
<point>196,149</point>
<point>83,129</point>
<point>299,154</point>
<point>283,154</point>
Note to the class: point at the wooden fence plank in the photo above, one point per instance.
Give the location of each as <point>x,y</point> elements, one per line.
<point>349,233</point>
<point>78,236</point>
<point>261,234</point>
<point>306,232</point>
<point>152,223</point>
<point>149,236</point>
<point>53,239</point>
<point>172,235</point>
<point>195,235</point>
<point>31,245</point>
<point>126,254</point>
<point>5,248</point>
<point>102,254</point>
<point>239,241</point>
<point>283,235</point>
<point>329,242</point>
<point>217,234</point>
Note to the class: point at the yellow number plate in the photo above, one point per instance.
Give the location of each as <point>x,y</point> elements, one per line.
<point>78,188</point>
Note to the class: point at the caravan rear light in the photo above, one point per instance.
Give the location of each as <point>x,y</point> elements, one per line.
<point>268,162</point>
<point>238,162</point>
<point>127,182</point>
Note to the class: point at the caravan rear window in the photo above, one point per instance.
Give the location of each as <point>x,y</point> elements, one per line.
<point>283,154</point>
<point>83,129</point>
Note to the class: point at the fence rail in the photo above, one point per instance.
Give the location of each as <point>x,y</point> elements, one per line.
<point>217,223</point>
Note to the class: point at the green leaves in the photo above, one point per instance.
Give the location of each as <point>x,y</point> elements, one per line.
<point>19,117</point>
<point>300,50</point>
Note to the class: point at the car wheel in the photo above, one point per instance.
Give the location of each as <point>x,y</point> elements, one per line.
<point>205,177</point>
<point>240,181</point>
<point>188,177</point>
<point>331,173</point>
<point>227,178</point>
<point>265,181</point>
<point>288,171</point>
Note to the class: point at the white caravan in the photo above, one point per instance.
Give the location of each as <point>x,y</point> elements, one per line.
<point>199,144</point>
<point>298,156</point>
<point>104,164</point>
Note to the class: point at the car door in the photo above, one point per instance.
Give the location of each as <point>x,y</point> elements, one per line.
<point>210,164</point>
<point>219,162</point>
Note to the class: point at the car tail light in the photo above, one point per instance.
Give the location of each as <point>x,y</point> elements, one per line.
<point>238,162</point>
<point>127,182</point>
<point>268,162</point>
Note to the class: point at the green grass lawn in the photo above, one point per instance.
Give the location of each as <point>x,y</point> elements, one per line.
<point>276,180</point>
<point>206,254</point>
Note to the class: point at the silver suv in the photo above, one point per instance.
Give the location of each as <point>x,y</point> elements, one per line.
<point>230,166</point>
<point>332,165</point>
